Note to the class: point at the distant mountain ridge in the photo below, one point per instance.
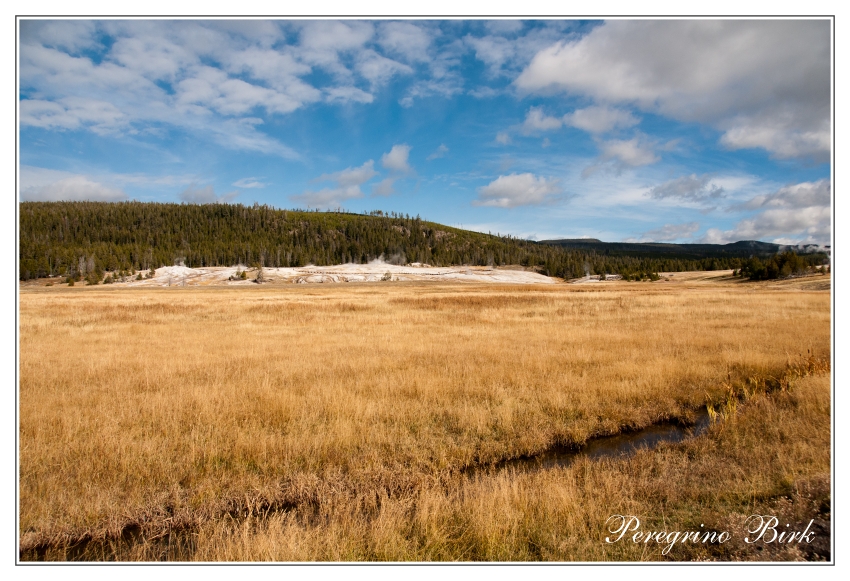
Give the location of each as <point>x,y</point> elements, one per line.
<point>740,249</point>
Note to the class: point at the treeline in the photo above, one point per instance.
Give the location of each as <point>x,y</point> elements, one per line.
<point>781,265</point>
<point>91,238</point>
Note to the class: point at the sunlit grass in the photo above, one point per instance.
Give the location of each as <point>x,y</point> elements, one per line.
<point>172,407</point>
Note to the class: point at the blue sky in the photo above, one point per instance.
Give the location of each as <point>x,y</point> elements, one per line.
<point>638,130</point>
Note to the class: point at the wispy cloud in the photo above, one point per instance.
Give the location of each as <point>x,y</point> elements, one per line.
<point>690,188</point>
<point>438,153</point>
<point>669,233</point>
<point>249,183</point>
<point>73,188</point>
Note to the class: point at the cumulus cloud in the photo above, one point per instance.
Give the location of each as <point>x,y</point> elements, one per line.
<point>618,155</point>
<point>536,121</point>
<point>205,195</point>
<point>74,92</point>
<point>763,83</point>
<point>494,51</point>
<point>352,176</point>
<point>508,47</point>
<point>514,190</point>
<point>405,39</point>
<point>799,212</point>
<point>324,41</point>
<point>73,188</point>
<point>600,119</point>
<point>72,36</point>
<point>690,188</point>
<point>216,79</point>
<point>396,158</point>
<point>802,195</point>
<point>348,182</point>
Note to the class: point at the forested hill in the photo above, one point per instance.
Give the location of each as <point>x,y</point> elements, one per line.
<point>742,249</point>
<point>61,238</point>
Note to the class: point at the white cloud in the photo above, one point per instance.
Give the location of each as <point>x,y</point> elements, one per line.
<point>39,177</point>
<point>396,158</point>
<point>72,188</point>
<point>503,26</point>
<point>72,113</point>
<point>153,56</point>
<point>405,39</point>
<point>670,232</point>
<point>205,195</point>
<point>503,138</point>
<point>378,69</point>
<point>600,119</point>
<point>72,36</point>
<point>621,154</point>
<point>800,195</point>
<point>207,77</point>
<point>239,134</point>
<point>504,51</point>
<point>536,120</point>
<point>76,93</point>
<point>352,176</point>
<point>249,183</point>
<point>518,190</point>
<point>799,212</point>
<point>438,153</point>
<point>764,83</point>
<point>348,182</point>
<point>345,94</point>
<point>384,187</point>
<point>494,51</point>
<point>328,197</point>
<point>277,67</point>
<point>322,41</point>
<point>446,86</point>
<point>484,92</point>
<point>690,188</point>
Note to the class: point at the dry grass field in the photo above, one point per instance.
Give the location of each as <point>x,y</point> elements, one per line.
<point>340,422</point>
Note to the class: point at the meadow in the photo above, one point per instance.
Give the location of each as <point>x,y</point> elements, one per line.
<point>368,421</point>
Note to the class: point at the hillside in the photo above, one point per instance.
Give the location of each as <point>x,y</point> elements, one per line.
<point>79,238</point>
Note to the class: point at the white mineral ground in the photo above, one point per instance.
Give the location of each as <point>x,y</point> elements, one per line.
<point>372,272</point>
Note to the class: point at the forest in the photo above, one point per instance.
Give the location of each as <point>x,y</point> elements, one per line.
<point>89,239</point>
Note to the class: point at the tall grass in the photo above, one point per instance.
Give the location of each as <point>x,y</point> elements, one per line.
<point>172,408</point>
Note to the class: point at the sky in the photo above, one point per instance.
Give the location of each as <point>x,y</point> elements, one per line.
<point>622,130</point>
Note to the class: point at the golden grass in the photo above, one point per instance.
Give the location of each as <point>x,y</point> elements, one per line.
<point>358,406</point>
